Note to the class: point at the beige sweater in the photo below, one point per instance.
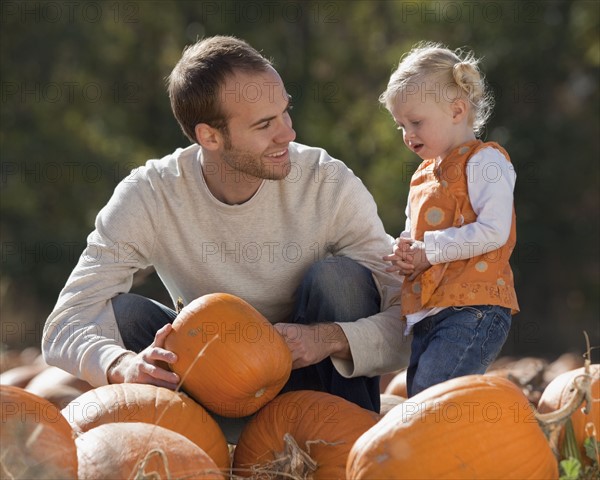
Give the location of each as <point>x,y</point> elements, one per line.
<point>163,215</point>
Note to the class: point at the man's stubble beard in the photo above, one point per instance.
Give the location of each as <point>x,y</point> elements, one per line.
<point>251,164</point>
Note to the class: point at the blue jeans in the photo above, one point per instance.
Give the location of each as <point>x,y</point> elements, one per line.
<point>456,341</point>
<point>336,289</point>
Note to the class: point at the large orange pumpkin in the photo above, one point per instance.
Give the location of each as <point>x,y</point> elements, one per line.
<point>322,425</point>
<point>131,402</point>
<point>21,375</point>
<point>53,377</point>
<point>245,362</point>
<point>141,451</point>
<point>57,386</point>
<point>477,426</point>
<point>36,440</point>
<point>558,393</point>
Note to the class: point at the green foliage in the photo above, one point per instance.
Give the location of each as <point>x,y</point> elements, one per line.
<point>570,449</point>
<point>84,101</point>
<point>592,449</point>
<point>572,468</point>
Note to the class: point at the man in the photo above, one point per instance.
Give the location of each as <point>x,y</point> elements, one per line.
<point>247,211</point>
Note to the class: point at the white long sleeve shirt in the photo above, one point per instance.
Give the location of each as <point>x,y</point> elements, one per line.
<point>164,215</point>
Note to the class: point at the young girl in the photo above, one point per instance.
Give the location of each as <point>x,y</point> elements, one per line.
<point>458,294</point>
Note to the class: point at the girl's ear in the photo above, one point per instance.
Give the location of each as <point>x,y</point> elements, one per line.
<point>460,110</point>
<point>208,137</point>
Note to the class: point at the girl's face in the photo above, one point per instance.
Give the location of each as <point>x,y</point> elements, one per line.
<point>432,125</point>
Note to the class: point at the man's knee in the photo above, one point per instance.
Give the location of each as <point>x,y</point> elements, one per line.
<point>139,318</point>
<point>130,306</point>
<point>126,303</point>
<point>334,272</point>
<point>342,288</point>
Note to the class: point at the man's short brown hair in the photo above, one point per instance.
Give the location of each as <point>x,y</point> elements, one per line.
<point>195,82</point>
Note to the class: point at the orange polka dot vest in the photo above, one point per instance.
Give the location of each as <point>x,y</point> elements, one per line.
<point>439,199</point>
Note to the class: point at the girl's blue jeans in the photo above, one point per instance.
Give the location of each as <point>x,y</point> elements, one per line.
<point>454,342</point>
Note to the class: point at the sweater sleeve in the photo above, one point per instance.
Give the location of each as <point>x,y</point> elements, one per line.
<point>376,343</point>
<point>81,334</point>
<point>490,182</point>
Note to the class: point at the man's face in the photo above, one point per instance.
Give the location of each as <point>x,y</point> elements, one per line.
<point>259,126</point>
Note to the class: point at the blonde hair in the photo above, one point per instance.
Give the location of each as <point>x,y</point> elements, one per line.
<point>451,71</point>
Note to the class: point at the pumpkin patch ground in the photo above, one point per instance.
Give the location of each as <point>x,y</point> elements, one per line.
<point>525,418</point>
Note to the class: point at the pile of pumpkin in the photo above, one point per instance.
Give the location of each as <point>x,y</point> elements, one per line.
<point>233,363</point>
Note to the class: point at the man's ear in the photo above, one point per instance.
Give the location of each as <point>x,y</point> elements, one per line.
<point>208,137</point>
<point>459,110</point>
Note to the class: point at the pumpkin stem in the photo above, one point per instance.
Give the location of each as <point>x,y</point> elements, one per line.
<point>179,305</point>
<point>553,422</point>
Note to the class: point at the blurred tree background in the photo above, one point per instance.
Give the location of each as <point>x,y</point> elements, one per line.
<point>84,101</point>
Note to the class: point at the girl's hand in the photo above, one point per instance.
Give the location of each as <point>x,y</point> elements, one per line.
<point>402,258</point>
<point>419,259</point>
<point>402,248</point>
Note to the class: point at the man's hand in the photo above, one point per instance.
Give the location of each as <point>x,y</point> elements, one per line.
<point>148,366</point>
<point>310,344</point>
